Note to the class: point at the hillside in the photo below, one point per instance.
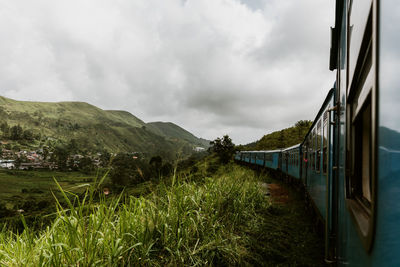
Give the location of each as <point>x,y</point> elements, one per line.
<point>283,138</point>
<point>171,130</point>
<point>92,128</point>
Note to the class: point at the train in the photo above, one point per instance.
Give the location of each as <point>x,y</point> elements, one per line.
<point>349,161</point>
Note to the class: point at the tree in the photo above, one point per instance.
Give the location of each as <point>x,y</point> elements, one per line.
<point>156,164</point>
<point>28,135</point>
<point>224,148</point>
<point>105,158</point>
<point>72,146</point>
<point>5,129</point>
<point>45,152</point>
<point>121,169</point>
<point>16,132</point>
<point>86,164</point>
<point>127,169</point>
<point>60,155</point>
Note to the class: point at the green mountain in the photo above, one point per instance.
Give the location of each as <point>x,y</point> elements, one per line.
<point>173,131</point>
<point>91,128</point>
<point>281,139</point>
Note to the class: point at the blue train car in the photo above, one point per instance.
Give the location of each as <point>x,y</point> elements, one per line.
<point>246,157</point>
<point>317,148</point>
<point>252,156</point>
<point>260,158</point>
<point>350,158</point>
<point>238,156</point>
<point>269,158</point>
<point>291,161</point>
<point>272,159</point>
<point>365,213</point>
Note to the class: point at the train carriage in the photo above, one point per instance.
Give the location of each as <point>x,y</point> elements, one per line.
<point>291,161</point>
<point>272,159</point>
<point>366,56</point>
<point>350,158</point>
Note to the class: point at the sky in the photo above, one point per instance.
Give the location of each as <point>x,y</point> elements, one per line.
<point>244,68</point>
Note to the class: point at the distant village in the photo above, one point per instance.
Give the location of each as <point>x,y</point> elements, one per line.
<point>28,160</point>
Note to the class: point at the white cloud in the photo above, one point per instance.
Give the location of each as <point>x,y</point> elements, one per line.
<point>212,66</point>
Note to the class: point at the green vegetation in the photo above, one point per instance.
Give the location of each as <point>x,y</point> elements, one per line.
<point>32,192</point>
<point>35,124</point>
<point>223,148</point>
<point>201,216</point>
<point>281,139</point>
<point>171,130</point>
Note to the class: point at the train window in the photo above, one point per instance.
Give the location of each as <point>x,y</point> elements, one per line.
<point>325,144</point>
<point>362,157</point>
<point>313,151</point>
<point>318,150</point>
<point>361,123</point>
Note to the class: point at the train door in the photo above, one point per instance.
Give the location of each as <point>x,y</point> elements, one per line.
<point>331,184</point>
<point>305,162</point>
<point>280,161</point>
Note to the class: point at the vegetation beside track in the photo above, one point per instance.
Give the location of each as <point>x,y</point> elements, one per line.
<point>209,215</point>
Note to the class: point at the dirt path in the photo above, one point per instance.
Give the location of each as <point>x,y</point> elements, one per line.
<point>277,192</point>
<point>288,236</point>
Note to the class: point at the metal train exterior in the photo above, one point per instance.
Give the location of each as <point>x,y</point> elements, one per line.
<point>349,161</point>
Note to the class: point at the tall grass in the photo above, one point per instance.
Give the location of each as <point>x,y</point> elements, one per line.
<point>186,223</point>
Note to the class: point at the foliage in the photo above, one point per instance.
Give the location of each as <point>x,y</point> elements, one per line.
<point>223,147</point>
<point>215,221</point>
<point>86,165</point>
<point>60,155</point>
<point>171,130</point>
<point>16,132</point>
<point>283,138</point>
<point>83,127</point>
<point>127,170</point>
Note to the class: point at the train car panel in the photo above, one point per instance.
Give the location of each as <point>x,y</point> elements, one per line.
<point>238,156</point>
<point>349,160</point>
<point>259,158</point>
<point>272,159</point>
<point>387,243</point>
<point>290,164</point>
<point>317,146</point>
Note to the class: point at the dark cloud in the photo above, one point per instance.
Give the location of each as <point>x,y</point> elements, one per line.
<point>254,4</point>
<point>244,68</point>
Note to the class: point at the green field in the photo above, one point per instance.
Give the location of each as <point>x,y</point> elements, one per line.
<point>212,216</point>
<point>26,189</point>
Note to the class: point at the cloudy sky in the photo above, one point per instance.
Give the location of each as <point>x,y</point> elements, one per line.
<point>238,67</point>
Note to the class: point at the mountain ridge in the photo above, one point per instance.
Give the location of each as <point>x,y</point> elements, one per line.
<point>95,129</point>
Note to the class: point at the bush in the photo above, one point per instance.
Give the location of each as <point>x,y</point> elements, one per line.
<point>183,224</point>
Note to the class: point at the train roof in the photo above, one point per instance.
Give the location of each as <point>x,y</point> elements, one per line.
<point>327,98</point>
<point>292,147</point>
<point>262,151</point>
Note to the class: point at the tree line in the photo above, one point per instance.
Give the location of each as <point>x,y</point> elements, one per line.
<point>16,132</point>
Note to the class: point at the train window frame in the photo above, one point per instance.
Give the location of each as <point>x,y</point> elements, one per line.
<point>313,150</point>
<point>361,118</point>
<point>318,149</point>
<point>325,143</point>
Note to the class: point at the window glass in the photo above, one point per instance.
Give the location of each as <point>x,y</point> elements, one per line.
<point>362,155</point>
<point>318,150</point>
<point>325,144</point>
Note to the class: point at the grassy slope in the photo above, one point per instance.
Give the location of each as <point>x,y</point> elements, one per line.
<point>92,127</point>
<point>280,139</point>
<point>201,219</point>
<point>172,130</point>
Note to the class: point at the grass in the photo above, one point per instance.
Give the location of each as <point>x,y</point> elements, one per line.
<point>13,181</point>
<point>190,219</point>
